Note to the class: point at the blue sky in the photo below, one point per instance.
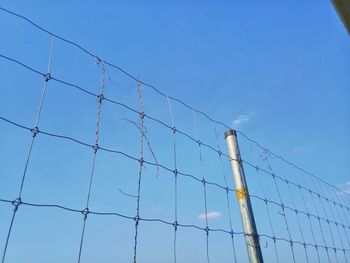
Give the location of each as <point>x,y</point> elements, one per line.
<point>279,72</point>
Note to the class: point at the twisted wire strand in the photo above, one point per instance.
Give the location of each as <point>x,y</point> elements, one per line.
<point>131,76</point>
<point>323,197</point>
<point>95,148</point>
<point>340,205</point>
<point>142,137</point>
<point>181,173</point>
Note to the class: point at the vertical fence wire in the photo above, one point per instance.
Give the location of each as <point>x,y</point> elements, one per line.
<point>265,157</point>
<point>203,181</point>
<point>303,198</point>
<point>175,178</point>
<point>141,161</point>
<point>95,148</point>
<point>325,246</point>
<point>330,210</point>
<point>223,171</point>
<point>340,217</point>
<point>321,201</point>
<point>267,210</point>
<point>16,203</point>
<point>290,192</point>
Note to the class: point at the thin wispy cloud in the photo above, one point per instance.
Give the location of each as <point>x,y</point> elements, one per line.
<point>305,147</point>
<point>240,119</point>
<point>345,187</point>
<point>210,215</point>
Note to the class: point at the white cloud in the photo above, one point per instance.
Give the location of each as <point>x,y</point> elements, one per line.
<point>240,119</point>
<point>210,215</point>
<point>345,187</point>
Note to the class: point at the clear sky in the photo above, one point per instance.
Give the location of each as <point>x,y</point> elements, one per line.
<point>278,71</point>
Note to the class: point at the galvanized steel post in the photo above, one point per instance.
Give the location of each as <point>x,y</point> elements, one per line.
<point>251,235</point>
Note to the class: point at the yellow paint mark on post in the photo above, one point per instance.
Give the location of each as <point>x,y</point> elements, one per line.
<point>241,193</point>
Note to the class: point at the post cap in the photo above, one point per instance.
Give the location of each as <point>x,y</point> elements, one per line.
<point>230,132</point>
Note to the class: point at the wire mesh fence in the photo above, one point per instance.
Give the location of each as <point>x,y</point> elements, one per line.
<point>98,165</point>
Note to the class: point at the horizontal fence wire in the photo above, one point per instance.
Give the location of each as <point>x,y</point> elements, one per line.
<point>303,216</point>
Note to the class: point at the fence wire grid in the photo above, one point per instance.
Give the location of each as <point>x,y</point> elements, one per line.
<point>99,166</point>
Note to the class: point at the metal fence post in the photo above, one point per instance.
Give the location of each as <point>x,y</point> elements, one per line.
<point>251,235</point>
